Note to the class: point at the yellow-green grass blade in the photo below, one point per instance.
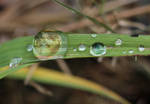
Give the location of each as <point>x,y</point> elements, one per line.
<point>57,78</point>
<point>4,71</point>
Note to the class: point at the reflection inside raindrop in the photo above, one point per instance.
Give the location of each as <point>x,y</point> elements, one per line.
<point>118,42</point>
<point>82,47</point>
<point>93,35</point>
<point>49,45</point>
<point>141,48</point>
<point>75,49</point>
<point>131,51</point>
<point>97,49</point>
<point>29,48</point>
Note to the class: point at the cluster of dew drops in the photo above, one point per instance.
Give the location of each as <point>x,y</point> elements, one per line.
<point>98,49</point>
<point>14,62</point>
<point>119,42</point>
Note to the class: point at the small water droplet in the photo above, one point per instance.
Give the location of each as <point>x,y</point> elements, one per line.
<point>29,48</point>
<point>93,35</point>
<point>141,48</point>
<point>75,49</point>
<point>82,47</point>
<point>131,51</point>
<point>118,42</point>
<point>97,49</point>
<point>124,52</point>
<point>14,62</point>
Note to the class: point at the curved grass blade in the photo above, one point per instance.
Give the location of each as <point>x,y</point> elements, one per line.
<point>16,48</point>
<point>88,17</point>
<point>57,78</point>
<point>129,46</point>
<point>4,71</point>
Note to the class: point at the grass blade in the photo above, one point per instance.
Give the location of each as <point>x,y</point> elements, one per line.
<point>4,71</point>
<point>16,48</point>
<point>57,78</point>
<point>88,17</point>
<point>129,46</point>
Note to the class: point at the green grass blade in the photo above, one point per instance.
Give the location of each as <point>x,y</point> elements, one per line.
<point>88,17</point>
<point>16,48</point>
<point>130,46</point>
<point>57,78</point>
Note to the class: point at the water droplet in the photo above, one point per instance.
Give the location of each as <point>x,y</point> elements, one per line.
<point>82,47</point>
<point>29,48</point>
<point>97,49</point>
<point>131,51</point>
<point>141,48</point>
<point>118,42</point>
<point>93,35</point>
<point>124,52</point>
<point>49,45</point>
<point>75,49</point>
<point>14,62</point>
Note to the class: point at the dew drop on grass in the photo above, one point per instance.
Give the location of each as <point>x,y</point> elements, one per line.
<point>131,51</point>
<point>97,49</point>
<point>14,62</point>
<point>118,42</point>
<point>74,49</point>
<point>82,47</point>
<point>124,52</point>
<point>141,48</point>
<point>93,35</point>
<point>50,45</point>
<point>29,48</point>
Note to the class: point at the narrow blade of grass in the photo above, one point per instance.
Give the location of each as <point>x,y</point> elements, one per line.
<point>16,48</point>
<point>88,17</point>
<point>129,46</point>
<point>57,78</point>
<point>4,71</point>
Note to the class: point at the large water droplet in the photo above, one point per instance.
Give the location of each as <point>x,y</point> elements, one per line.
<point>14,62</point>
<point>29,48</point>
<point>97,49</point>
<point>141,48</point>
<point>93,35</point>
<point>82,47</point>
<point>118,42</point>
<point>50,45</point>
